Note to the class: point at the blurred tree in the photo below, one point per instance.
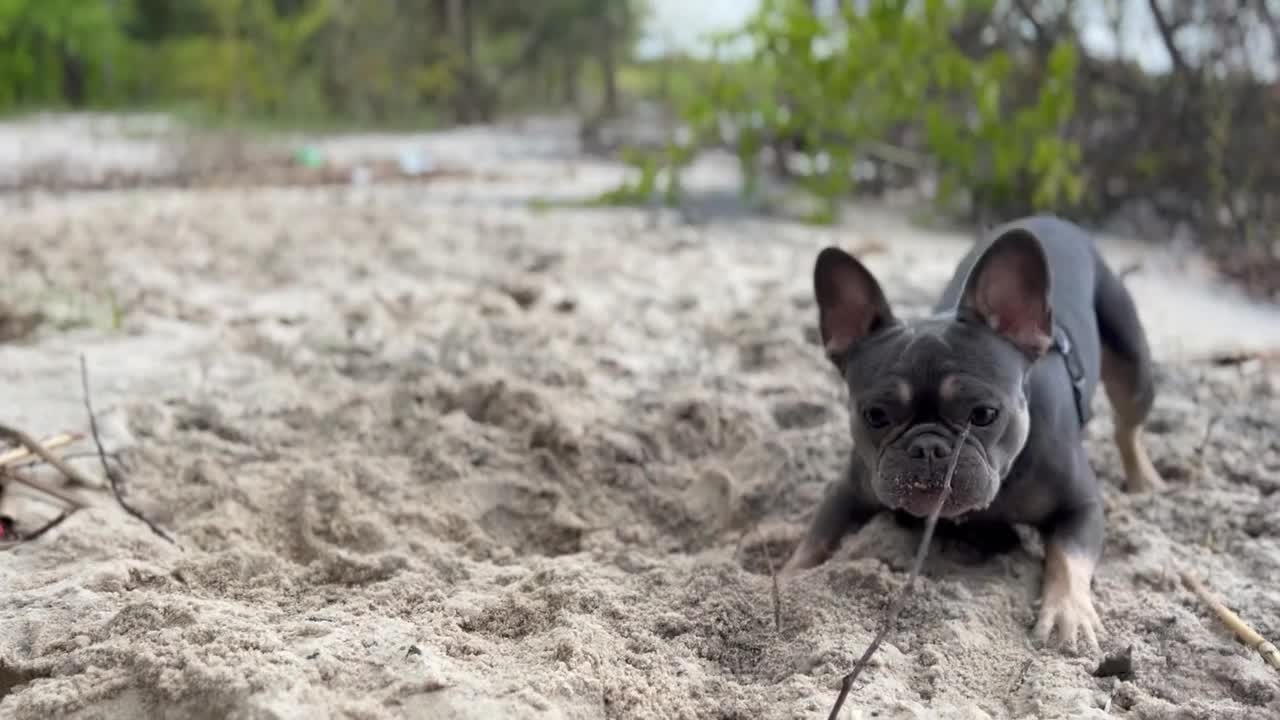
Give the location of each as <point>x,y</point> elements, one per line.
<point>560,36</point>
<point>56,51</point>
<point>376,60</point>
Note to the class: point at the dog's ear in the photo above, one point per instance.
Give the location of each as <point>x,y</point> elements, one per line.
<point>851,305</point>
<point>1008,290</point>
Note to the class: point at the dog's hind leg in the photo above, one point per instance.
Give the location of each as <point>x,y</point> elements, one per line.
<point>1127,375</point>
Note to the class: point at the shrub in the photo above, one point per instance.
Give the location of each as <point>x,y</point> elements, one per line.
<point>886,81</point>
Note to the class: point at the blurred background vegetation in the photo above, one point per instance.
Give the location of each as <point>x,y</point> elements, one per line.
<point>992,107</point>
<point>372,62</point>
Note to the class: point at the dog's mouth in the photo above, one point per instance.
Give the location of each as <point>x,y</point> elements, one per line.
<point>918,495</point>
<point>922,502</point>
<point>915,486</point>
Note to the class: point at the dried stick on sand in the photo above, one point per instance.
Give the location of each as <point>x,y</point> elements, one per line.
<point>18,454</point>
<point>1248,635</point>
<point>38,449</point>
<point>23,452</point>
<point>113,478</point>
<point>895,607</point>
<point>35,447</point>
<point>40,487</point>
<point>62,516</point>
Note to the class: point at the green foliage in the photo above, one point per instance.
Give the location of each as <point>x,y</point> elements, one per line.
<point>373,62</point>
<point>253,58</point>
<point>36,37</point>
<point>640,190</point>
<point>656,172</point>
<point>848,85</point>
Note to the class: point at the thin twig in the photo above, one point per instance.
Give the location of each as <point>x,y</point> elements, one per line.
<point>36,462</point>
<point>113,478</point>
<point>72,474</point>
<point>895,607</point>
<point>1247,635</point>
<point>775,589</point>
<point>1043,41</point>
<point>47,526</point>
<point>62,516</point>
<point>1167,31</point>
<point>6,476</point>
<point>52,442</point>
<point>1208,433</point>
<point>1022,676</point>
<point>776,592</point>
<point>40,531</point>
<point>1202,461</point>
<point>777,599</point>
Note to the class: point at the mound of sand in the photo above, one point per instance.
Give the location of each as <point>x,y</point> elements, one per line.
<point>468,460</point>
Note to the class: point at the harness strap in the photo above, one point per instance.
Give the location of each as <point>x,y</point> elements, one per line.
<point>1062,343</point>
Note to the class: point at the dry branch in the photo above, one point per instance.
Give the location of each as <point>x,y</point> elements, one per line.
<point>41,488</point>
<point>79,455</point>
<point>1167,30</point>
<point>10,458</point>
<point>47,526</point>
<point>1247,634</point>
<point>30,446</point>
<point>38,449</point>
<point>62,516</point>
<point>113,478</point>
<point>900,600</point>
<point>22,452</point>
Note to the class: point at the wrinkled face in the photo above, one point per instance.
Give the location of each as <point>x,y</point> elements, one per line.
<point>914,386</point>
<point>911,392</point>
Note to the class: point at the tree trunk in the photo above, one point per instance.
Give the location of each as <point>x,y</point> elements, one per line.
<point>571,82</point>
<point>461,28</point>
<point>73,79</point>
<point>608,67</point>
<point>108,62</point>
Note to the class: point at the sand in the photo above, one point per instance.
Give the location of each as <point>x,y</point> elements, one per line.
<point>428,452</point>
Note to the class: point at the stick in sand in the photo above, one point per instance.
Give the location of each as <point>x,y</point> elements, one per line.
<point>1248,635</point>
<point>775,590</point>
<point>895,607</point>
<point>113,478</point>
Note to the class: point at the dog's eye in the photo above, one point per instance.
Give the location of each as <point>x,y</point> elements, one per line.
<point>983,415</point>
<point>876,417</point>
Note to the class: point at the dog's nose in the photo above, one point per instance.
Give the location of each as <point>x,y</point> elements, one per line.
<point>929,446</point>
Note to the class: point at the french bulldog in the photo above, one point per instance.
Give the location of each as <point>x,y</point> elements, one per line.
<point>1031,321</point>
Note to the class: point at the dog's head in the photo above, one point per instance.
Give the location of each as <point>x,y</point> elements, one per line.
<point>914,386</point>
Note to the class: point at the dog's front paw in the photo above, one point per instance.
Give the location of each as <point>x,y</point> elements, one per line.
<point>1071,614</point>
<point>1066,606</point>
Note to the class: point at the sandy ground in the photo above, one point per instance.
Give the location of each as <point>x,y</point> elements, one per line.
<point>430,453</point>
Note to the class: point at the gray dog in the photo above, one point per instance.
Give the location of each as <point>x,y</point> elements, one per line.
<point>1030,322</point>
